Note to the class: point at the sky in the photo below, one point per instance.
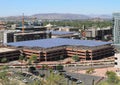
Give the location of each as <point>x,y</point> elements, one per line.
<point>30,7</point>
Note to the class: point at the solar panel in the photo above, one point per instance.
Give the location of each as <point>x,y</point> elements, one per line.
<point>53,42</point>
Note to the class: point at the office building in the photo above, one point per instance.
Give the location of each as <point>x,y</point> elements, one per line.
<point>99,33</point>
<point>7,36</point>
<point>64,34</point>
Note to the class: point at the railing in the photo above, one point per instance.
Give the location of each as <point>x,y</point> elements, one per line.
<point>99,80</point>
<point>87,64</point>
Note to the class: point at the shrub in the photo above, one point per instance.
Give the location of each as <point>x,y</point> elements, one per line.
<point>59,67</point>
<point>90,70</point>
<point>42,75</point>
<point>112,77</point>
<point>4,60</point>
<point>31,69</point>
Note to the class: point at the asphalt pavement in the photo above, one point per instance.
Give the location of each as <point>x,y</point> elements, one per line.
<point>85,78</point>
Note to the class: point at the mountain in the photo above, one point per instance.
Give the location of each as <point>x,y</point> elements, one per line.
<point>58,16</point>
<point>102,16</point>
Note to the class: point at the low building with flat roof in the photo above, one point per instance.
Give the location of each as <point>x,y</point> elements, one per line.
<point>63,34</point>
<point>54,48</point>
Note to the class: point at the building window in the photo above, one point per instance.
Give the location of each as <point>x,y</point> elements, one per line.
<point>115,63</point>
<point>115,58</point>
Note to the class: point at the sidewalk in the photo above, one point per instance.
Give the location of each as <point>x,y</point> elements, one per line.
<point>99,71</point>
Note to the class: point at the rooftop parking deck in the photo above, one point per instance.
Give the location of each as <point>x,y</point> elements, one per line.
<point>54,42</point>
<point>6,50</point>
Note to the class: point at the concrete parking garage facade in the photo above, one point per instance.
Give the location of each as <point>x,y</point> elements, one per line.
<point>54,48</point>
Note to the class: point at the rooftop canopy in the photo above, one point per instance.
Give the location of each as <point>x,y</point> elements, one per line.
<point>54,42</point>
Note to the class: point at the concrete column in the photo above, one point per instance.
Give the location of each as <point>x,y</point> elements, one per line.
<point>45,56</point>
<point>14,38</point>
<point>91,61</point>
<point>39,57</point>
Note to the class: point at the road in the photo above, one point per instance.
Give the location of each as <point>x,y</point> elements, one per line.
<point>75,68</point>
<point>85,78</point>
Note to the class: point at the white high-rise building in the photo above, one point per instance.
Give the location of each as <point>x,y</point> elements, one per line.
<point>116,30</point>
<point>116,38</point>
<point>117,63</point>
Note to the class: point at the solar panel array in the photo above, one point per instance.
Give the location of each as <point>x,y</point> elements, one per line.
<point>53,42</point>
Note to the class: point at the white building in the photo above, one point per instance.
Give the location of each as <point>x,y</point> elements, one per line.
<point>116,38</point>
<point>117,63</point>
<point>5,35</point>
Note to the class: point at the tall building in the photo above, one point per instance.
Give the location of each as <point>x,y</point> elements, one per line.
<point>116,30</point>
<point>116,38</point>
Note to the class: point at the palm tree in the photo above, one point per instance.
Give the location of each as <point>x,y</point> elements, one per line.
<point>33,58</point>
<point>4,79</point>
<point>21,58</point>
<point>4,60</point>
<point>55,79</point>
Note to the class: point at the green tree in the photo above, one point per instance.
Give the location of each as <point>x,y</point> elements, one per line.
<point>55,79</point>
<point>4,79</point>
<point>21,58</point>
<point>79,24</point>
<point>31,69</point>
<point>75,58</point>
<point>112,77</point>
<point>4,60</point>
<point>3,74</point>
<point>59,67</point>
<point>33,58</point>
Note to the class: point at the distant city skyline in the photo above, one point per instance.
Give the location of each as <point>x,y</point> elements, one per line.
<point>30,7</point>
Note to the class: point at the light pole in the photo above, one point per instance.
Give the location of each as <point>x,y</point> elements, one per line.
<point>89,56</point>
<point>93,82</point>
